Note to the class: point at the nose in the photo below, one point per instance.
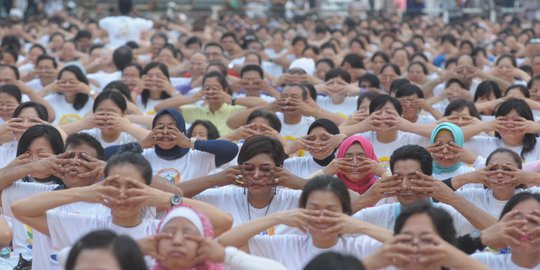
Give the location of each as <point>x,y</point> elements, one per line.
<point>178,239</point>
<point>355,160</point>
<point>165,129</point>
<point>405,184</point>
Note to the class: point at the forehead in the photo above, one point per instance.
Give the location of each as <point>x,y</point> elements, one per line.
<point>501,158</point>
<point>418,223</point>
<point>82,148</point>
<point>407,166</point>
<point>292,90</point>
<point>8,72</point>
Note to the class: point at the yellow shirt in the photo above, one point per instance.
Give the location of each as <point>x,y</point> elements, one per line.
<point>219,118</point>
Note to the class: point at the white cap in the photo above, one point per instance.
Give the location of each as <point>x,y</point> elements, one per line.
<point>186,213</point>
<point>306,64</point>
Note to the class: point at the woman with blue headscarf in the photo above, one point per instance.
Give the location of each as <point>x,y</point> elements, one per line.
<point>447,151</point>
<point>177,158</point>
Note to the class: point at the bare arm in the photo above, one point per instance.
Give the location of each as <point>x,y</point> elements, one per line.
<point>6,235</point>
<point>177,101</point>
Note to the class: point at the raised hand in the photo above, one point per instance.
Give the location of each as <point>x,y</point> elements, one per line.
<point>96,167</point>
<point>339,165</point>
<point>179,137</point>
<point>209,249</point>
<point>149,245</point>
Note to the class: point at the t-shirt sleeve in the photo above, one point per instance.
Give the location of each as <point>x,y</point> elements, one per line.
<point>66,228</point>
<point>213,196</point>
<point>105,23</point>
<point>144,24</point>
<point>462,225</point>
<point>204,161</point>
<point>20,190</point>
<point>365,246</point>
<point>268,246</point>
<point>190,112</point>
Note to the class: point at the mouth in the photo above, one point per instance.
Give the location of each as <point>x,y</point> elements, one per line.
<point>176,254</point>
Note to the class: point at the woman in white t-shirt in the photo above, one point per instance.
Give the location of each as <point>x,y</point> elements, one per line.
<point>424,239</point>
<point>324,215</point>
<point>69,96</point>
<point>514,128</point>
<point>322,141</point>
<point>108,122</point>
<point>447,151</point>
<point>258,175</point>
<point>501,179</point>
<point>156,87</point>
<point>524,244</point>
<point>336,86</point>
<point>177,158</point>
<point>125,190</point>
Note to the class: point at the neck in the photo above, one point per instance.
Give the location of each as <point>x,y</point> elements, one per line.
<point>412,118</point>
<point>70,98</point>
<point>292,118</point>
<point>325,243</point>
<point>529,260</point>
<point>155,94</point>
<point>337,99</point>
<point>387,137</point>
<point>127,222</point>
<point>110,136</point>
<point>214,106</point>
<point>46,81</point>
<point>503,195</point>
<point>260,201</point>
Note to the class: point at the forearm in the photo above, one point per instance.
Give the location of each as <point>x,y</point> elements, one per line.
<point>476,216</point>
<point>224,151</point>
<point>428,87</point>
<point>239,119</point>
<point>368,199</point>
<point>240,235</point>
<point>39,99</point>
<point>436,114</point>
<point>6,235</point>
<point>198,185</point>
<point>324,114</point>
<point>422,130</point>
<point>220,220</point>
<point>472,130</point>
<point>143,120</point>
<point>250,102</point>
<point>239,260</point>
<point>353,129</point>
<point>39,204</point>
<point>11,174</point>
<point>137,132</point>
<point>174,102</point>
<point>380,234</point>
<point>72,128</point>
<point>160,183</point>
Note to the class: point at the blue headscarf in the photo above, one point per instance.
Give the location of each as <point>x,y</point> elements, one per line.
<point>176,152</point>
<point>458,139</point>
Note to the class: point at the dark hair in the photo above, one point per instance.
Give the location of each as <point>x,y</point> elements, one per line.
<point>299,39</point>
<point>133,64</point>
<point>401,49</point>
<point>145,94</point>
<point>517,199</point>
<point>94,47</point>
<point>13,68</point>
<point>231,35</point>
<point>259,144</point>
<point>82,34</point>
<point>413,152</point>
<point>442,220</point>
<point>338,72</point>
<point>213,132</point>
<point>122,56</point>
<point>214,44</point>
<point>312,92</point>
<point>44,57</point>
<point>369,95</point>
<point>256,68</point>
<point>259,59</point>
<point>124,249</point>
<point>449,61</point>
<point>125,6</point>
<point>393,66</point>
<point>40,109</point>
<point>449,38</point>
<point>313,48</point>
<point>422,65</point>
<point>359,41</point>
<point>355,60</point>
<point>48,132</point>
<point>532,81</point>
<point>455,80</point>
<point>222,67</point>
<point>80,98</point>
<point>12,90</point>
<point>523,109</point>
<point>409,90</point>
<point>11,42</point>
<point>13,53</point>
<point>327,61</point>
<point>379,101</point>
<point>327,183</point>
<point>116,97</point>
<point>135,159</point>
<point>120,87</point>
<point>221,79</point>
<point>419,54</point>
<point>487,87</point>
<point>193,40</point>
<point>77,139</point>
<point>272,119</point>
<point>460,104</point>
<point>521,88</point>
<point>371,78</point>
<point>334,260</point>
<point>478,50</point>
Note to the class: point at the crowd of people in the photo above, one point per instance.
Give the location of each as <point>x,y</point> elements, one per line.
<point>331,143</point>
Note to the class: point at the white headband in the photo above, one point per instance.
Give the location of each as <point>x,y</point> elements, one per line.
<point>186,213</point>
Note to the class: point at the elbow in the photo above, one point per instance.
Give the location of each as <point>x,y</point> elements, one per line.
<point>224,224</point>
<point>6,236</point>
<point>17,211</point>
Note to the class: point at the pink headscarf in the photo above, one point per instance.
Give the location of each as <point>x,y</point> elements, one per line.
<point>208,232</point>
<point>366,182</point>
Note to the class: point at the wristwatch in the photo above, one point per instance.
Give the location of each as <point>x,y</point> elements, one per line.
<point>193,140</point>
<point>176,200</point>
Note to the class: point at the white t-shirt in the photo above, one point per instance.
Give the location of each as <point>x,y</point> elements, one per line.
<point>233,200</point>
<point>122,139</point>
<point>104,78</point>
<point>8,152</point>
<point>149,108</point>
<point>302,166</point>
<point>35,85</point>
<point>66,228</point>
<point>484,199</point>
<point>122,29</point>
<point>385,216</point>
<point>266,98</point>
<point>343,110</point>
<point>385,150</point>
<point>484,145</point>
<point>22,234</point>
<point>294,251</point>
<point>294,131</point>
<point>499,261</point>
<point>192,165</point>
<point>461,170</point>
<point>65,113</point>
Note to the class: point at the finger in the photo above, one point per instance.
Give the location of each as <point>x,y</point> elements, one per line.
<point>196,238</point>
